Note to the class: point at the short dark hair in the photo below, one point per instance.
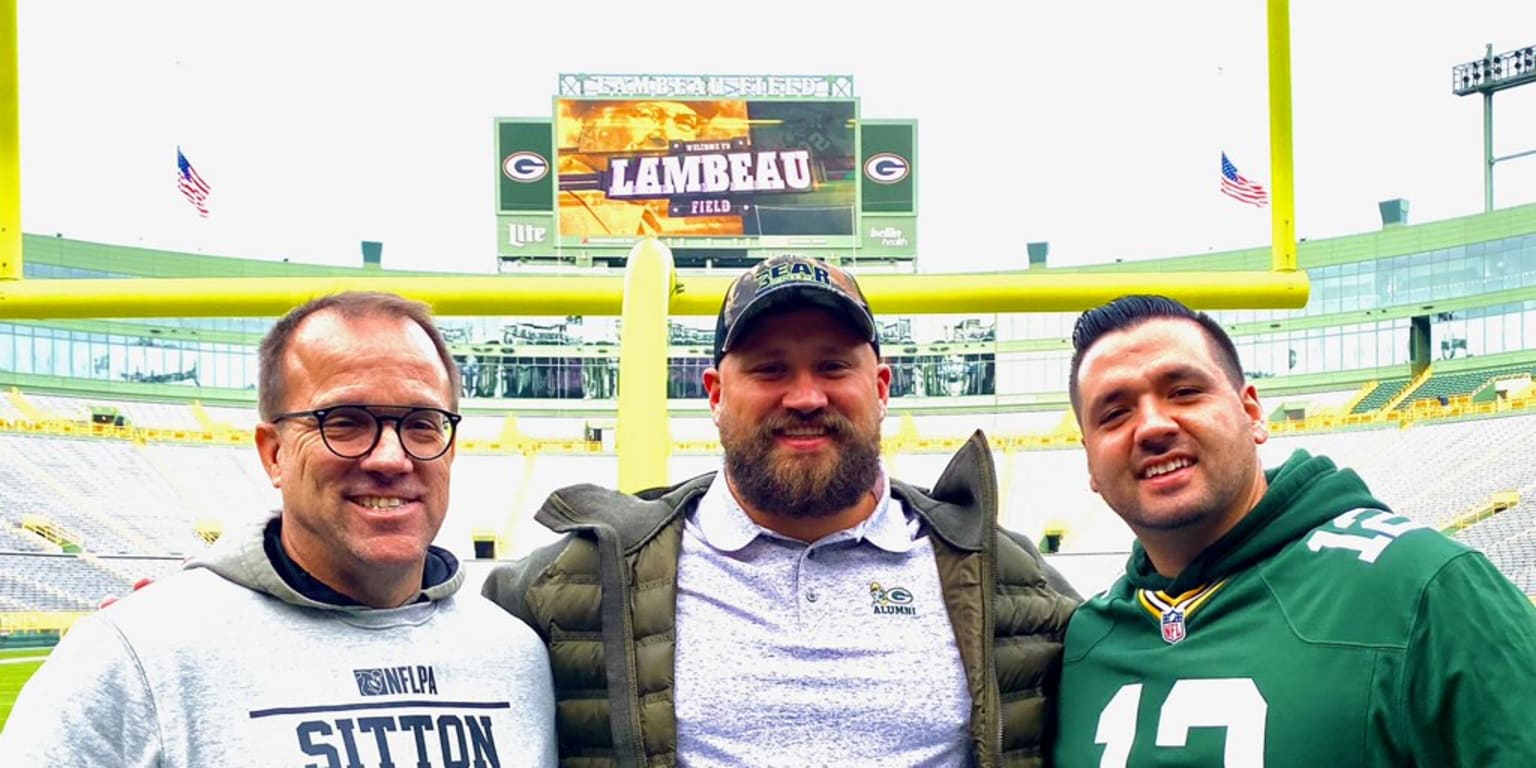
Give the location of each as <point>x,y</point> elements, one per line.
<point>351,305</point>
<point>1126,313</point>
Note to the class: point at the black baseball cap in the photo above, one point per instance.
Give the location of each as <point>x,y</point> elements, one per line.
<point>791,281</point>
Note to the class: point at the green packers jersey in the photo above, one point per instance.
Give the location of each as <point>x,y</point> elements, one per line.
<point>1323,631</point>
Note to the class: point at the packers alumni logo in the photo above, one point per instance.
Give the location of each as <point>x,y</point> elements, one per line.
<point>895,600</point>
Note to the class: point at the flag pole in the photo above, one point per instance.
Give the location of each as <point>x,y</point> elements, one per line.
<point>1283,195</point>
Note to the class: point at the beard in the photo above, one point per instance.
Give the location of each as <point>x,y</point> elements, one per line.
<point>802,486</point>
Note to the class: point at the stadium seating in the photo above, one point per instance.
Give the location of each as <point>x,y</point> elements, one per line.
<point>62,408</point>
<point>136,502</point>
<point>162,415</point>
<point>231,418</point>
<point>54,582</point>
<point>1509,540</point>
<point>1381,395</point>
<point>1500,530</point>
<point>1431,472</point>
<point>9,412</point>
<point>1452,384</point>
<point>14,539</point>
<point>125,498</point>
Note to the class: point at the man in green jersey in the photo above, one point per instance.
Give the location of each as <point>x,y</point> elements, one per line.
<point>1279,617</point>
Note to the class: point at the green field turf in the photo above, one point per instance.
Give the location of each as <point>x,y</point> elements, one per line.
<point>21,653</point>
<point>14,675</point>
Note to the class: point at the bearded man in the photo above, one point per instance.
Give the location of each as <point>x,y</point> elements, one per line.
<point>799,607</point>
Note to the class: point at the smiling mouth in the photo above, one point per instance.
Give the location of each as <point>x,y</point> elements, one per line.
<point>379,502</point>
<point>1164,467</point>
<point>803,433</point>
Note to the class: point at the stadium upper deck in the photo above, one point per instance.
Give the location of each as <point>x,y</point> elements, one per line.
<point>1456,295</point>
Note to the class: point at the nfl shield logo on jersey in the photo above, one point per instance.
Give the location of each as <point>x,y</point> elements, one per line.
<point>1173,625</point>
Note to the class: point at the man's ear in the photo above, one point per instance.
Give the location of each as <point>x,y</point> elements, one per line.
<point>267,448</point>
<point>883,386</point>
<point>1255,411</point>
<point>712,387</point>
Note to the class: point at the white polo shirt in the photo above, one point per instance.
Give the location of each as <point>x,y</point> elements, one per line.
<point>837,653</point>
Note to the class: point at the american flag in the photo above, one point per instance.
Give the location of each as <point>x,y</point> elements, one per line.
<point>191,185</point>
<point>1233,185</point>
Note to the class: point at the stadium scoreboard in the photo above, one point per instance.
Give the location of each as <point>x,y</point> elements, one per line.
<point>723,169</point>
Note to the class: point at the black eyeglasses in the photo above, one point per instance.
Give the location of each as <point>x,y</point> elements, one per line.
<point>352,431</point>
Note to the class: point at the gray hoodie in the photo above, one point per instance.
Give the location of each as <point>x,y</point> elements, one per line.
<point>225,664</point>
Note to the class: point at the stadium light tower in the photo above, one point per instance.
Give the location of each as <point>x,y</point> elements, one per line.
<point>1488,75</point>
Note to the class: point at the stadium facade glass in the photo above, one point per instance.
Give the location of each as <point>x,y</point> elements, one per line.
<point>1458,294</point>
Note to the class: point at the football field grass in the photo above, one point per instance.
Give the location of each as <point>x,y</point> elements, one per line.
<point>14,674</point>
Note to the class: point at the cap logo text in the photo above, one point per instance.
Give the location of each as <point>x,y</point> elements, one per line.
<point>798,271</point>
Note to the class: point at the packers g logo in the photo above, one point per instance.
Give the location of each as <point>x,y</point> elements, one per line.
<point>525,167</point>
<point>891,601</point>
<point>886,168</point>
<point>892,596</point>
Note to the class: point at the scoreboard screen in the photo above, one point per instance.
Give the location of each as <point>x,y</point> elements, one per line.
<point>719,170</point>
<point>731,172</point>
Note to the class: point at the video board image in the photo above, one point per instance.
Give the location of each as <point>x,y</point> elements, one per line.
<point>705,169</point>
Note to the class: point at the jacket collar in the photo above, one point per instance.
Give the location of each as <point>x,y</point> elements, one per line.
<point>636,518</point>
<point>962,507</point>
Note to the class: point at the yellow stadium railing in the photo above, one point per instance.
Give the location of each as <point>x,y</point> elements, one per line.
<point>908,439</point>
<point>39,621</point>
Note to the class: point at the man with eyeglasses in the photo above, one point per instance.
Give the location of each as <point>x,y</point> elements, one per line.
<point>329,632</point>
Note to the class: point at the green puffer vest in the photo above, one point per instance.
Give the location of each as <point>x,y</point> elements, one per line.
<point>610,630</point>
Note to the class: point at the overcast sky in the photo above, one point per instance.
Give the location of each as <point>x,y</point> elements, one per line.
<point>1096,126</point>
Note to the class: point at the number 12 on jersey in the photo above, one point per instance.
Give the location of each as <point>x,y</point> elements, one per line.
<point>1231,703</point>
<point>1379,527</point>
